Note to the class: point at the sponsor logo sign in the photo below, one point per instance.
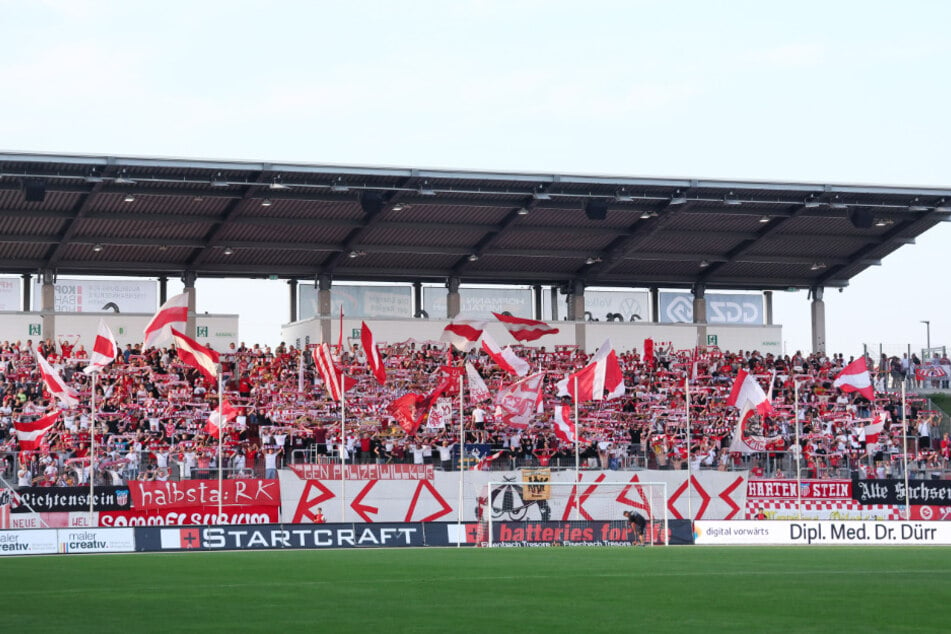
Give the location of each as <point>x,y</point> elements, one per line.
<point>722,308</point>
<point>311,536</point>
<point>822,533</point>
<point>97,540</point>
<point>32,542</point>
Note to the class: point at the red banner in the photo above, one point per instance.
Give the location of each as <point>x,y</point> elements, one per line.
<point>194,516</point>
<point>810,489</point>
<point>364,471</point>
<point>196,493</point>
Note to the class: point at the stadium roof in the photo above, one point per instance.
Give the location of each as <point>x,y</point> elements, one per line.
<point>96,215</point>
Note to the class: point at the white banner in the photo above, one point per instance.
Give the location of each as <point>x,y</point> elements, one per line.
<point>765,533</point>
<point>32,542</point>
<point>100,296</point>
<point>96,540</point>
<point>9,294</point>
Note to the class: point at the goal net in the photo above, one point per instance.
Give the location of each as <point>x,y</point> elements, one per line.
<point>530,513</point>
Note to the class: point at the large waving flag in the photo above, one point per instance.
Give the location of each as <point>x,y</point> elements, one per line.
<point>334,379</point>
<point>563,424</point>
<point>478,390</point>
<point>173,314</point>
<point>55,383</point>
<point>525,329</point>
<point>374,360</point>
<point>104,349</point>
<point>855,378</point>
<point>505,358</point>
<point>519,401</point>
<point>203,359</point>
<point>747,395</point>
<point>408,412</point>
<point>602,374</point>
<point>31,434</point>
<point>462,333</point>
<point>220,417</point>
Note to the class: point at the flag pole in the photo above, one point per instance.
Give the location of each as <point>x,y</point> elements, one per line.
<point>300,371</point>
<point>904,423</point>
<point>343,447</point>
<point>92,448</point>
<point>577,451</point>
<point>462,451</point>
<point>689,468</point>
<point>221,434</point>
<point>798,446</point>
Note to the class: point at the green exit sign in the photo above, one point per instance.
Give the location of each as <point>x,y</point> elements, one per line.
<point>712,340</point>
<point>355,333</point>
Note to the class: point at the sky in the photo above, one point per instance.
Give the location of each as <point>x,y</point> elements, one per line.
<point>821,92</point>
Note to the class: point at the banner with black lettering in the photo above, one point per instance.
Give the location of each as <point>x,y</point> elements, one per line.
<point>921,492</point>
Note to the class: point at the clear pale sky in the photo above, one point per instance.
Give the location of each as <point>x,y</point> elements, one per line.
<point>828,92</point>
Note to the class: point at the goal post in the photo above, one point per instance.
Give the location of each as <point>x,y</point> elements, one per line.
<point>532,513</point>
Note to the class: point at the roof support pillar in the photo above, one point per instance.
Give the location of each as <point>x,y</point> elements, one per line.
<point>537,301</point>
<point>292,292</point>
<point>818,320</point>
<point>48,304</point>
<point>655,305</point>
<point>188,279</point>
<point>700,312</point>
<point>27,288</point>
<point>554,303</point>
<point>418,311</point>
<point>576,313</point>
<point>162,289</point>
<point>768,301</point>
<point>324,282</point>
<point>453,302</point>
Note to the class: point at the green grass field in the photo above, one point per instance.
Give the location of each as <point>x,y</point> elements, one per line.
<point>579,590</point>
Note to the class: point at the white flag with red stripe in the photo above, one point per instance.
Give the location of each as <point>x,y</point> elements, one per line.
<point>563,424</point>
<point>462,333</point>
<point>104,349</point>
<point>505,358</point>
<point>374,360</point>
<point>203,359</point>
<point>855,378</point>
<point>602,375</point>
<point>220,417</point>
<point>172,315</point>
<point>55,383</point>
<point>31,434</point>
<point>747,395</point>
<point>334,379</point>
<point>525,329</point>
<point>478,390</point>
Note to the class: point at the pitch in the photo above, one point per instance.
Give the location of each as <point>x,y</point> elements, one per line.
<point>653,589</point>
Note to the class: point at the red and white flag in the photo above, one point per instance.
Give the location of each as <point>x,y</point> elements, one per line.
<point>563,424</point>
<point>505,358</point>
<point>54,382</point>
<point>519,401</point>
<point>220,417</point>
<point>334,379</point>
<point>374,360</point>
<point>747,395</point>
<point>873,431</point>
<point>31,434</point>
<point>487,461</point>
<point>478,390</point>
<point>462,333</point>
<point>203,359</point>
<point>406,411</point>
<point>525,329</point>
<point>104,349</point>
<point>855,378</point>
<point>602,374</point>
<point>173,314</point>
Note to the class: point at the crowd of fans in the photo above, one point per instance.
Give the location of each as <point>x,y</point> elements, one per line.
<point>152,412</point>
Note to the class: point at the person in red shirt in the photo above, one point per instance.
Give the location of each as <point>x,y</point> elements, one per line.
<point>319,516</point>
